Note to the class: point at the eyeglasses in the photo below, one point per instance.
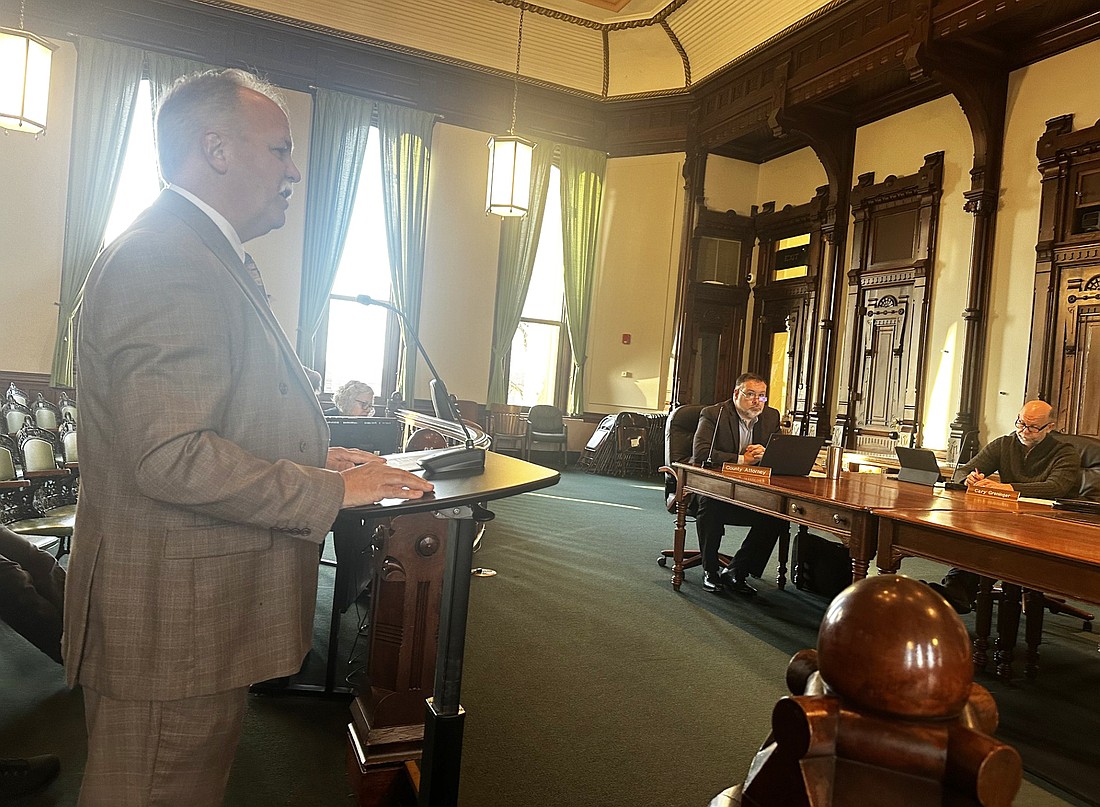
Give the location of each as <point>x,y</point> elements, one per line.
<point>364,404</point>
<point>1027,427</point>
<point>748,394</point>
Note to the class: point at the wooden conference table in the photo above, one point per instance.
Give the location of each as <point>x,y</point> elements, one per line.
<point>1023,543</point>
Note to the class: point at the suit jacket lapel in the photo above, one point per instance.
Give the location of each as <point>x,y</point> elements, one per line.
<point>217,243</point>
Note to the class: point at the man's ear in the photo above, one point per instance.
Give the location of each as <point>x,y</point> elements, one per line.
<point>213,151</point>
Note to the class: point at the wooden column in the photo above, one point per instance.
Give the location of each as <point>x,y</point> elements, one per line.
<point>978,78</point>
<point>695,169</point>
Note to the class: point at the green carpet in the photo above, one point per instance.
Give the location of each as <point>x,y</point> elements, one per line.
<point>587,680</point>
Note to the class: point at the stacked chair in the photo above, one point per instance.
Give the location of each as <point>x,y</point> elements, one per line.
<point>38,470</point>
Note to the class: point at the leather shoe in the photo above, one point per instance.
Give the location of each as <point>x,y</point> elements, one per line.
<point>712,583</point>
<point>955,599</point>
<point>737,585</point>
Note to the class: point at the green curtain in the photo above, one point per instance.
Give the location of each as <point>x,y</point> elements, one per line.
<point>107,77</point>
<point>406,145</point>
<point>582,172</point>
<point>519,239</point>
<point>338,140</point>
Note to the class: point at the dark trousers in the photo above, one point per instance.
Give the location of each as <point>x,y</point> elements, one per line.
<point>961,586</point>
<point>32,590</point>
<point>755,550</point>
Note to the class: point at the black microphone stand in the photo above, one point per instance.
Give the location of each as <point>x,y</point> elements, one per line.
<point>458,461</point>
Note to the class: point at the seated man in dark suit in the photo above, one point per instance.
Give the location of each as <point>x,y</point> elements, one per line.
<point>32,590</point>
<point>735,431</point>
<point>1028,460</point>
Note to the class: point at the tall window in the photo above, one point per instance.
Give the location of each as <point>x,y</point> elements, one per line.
<point>540,358</point>
<point>139,182</point>
<point>360,338</point>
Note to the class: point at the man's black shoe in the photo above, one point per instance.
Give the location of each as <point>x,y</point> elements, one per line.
<point>955,599</point>
<point>735,584</point>
<point>713,583</point>
<point>21,777</point>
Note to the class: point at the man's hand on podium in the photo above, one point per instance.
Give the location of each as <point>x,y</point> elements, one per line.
<point>372,479</point>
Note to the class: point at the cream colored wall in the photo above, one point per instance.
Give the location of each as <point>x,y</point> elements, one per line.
<point>897,146</point>
<point>635,286</point>
<point>1054,87</point>
<point>460,265</point>
<point>730,184</point>
<point>35,175</point>
<point>792,179</point>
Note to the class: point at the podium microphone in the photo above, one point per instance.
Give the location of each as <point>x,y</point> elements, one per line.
<point>461,460</point>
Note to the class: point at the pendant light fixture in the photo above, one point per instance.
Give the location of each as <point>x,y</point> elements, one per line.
<point>24,79</point>
<point>509,189</point>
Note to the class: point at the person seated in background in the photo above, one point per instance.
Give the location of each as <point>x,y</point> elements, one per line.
<point>354,399</point>
<point>1028,460</point>
<point>32,592</point>
<point>735,431</point>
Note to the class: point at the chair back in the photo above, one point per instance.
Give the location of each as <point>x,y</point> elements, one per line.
<point>37,449</point>
<point>67,433</point>
<point>67,406</point>
<point>680,432</point>
<point>546,419</point>
<point>7,464</point>
<point>15,415</point>
<point>679,444</point>
<point>1089,449</point>
<point>17,395</point>
<point>46,413</point>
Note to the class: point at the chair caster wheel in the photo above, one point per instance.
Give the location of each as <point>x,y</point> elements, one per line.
<point>662,561</point>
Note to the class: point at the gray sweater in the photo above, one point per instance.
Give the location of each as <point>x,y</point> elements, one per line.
<point>1050,470</point>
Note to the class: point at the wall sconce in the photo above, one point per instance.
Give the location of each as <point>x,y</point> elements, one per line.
<point>24,79</point>
<point>509,189</point>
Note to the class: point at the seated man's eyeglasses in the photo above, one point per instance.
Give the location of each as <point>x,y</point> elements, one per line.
<point>754,396</point>
<point>1027,427</point>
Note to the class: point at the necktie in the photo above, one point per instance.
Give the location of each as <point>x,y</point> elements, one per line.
<point>254,270</point>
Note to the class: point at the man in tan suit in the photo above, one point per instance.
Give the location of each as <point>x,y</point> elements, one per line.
<point>207,483</point>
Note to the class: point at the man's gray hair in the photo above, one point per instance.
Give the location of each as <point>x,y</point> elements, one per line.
<point>347,394</point>
<point>197,102</point>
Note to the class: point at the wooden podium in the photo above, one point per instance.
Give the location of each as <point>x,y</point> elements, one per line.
<point>407,706</point>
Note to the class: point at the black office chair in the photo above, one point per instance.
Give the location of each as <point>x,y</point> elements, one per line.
<point>679,439</point>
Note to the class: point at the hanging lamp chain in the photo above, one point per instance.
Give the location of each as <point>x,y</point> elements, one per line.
<point>515,78</point>
<point>22,8</point>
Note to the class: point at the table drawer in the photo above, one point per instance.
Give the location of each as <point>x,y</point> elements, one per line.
<point>730,490</point>
<point>833,519</point>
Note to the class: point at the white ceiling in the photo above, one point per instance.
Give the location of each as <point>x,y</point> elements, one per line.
<point>653,46</point>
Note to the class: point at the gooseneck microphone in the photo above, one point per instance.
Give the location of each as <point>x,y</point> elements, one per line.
<point>458,461</point>
<point>709,461</point>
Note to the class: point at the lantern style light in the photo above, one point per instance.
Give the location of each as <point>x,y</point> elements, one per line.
<point>24,79</point>
<point>509,189</point>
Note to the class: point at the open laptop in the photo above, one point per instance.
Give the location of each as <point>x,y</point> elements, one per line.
<point>379,435</point>
<point>918,465</point>
<point>791,454</point>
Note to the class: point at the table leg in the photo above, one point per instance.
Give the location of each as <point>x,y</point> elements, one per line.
<point>679,533</point>
<point>784,553</point>
<point>1034,603</point>
<point>443,714</point>
<point>798,565</point>
<point>1008,627</point>
<point>983,622</point>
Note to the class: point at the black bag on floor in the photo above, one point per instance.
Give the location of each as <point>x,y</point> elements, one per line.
<point>824,566</point>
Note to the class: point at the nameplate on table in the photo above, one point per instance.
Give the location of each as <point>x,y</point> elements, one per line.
<point>750,472</point>
<point>992,493</point>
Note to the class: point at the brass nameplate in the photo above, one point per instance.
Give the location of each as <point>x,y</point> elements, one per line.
<point>1005,495</point>
<point>753,472</point>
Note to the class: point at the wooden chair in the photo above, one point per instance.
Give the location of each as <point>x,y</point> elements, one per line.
<point>17,395</point>
<point>886,705</point>
<point>546,426</point>
<point>40,504</point>
<point>67,406</point>
<point>507,427</point>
